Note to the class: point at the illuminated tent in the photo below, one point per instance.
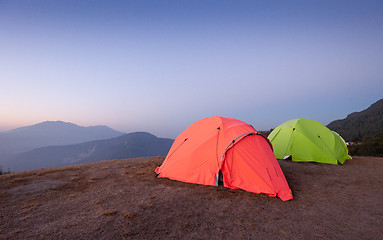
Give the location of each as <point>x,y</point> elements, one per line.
<point>244,157</point>
<point>306,140</point>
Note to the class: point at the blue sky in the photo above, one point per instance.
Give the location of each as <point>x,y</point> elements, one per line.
<point>159,66</point>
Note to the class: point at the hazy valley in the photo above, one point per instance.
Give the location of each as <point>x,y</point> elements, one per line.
<point>52,144</point>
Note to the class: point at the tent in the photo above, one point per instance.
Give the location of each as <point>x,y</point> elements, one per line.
<point>306,140</point>
<point>230,146</point>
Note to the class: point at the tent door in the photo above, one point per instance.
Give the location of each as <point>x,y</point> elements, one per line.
<point>219,179</point>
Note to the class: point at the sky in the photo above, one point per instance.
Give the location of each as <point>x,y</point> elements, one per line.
<point>160,65</point>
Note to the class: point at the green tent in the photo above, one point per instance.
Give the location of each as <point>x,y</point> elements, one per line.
<point>306,140</point>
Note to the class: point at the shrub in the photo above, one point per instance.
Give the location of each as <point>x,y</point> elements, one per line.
<point>2,172</point>
<point>370,146</point>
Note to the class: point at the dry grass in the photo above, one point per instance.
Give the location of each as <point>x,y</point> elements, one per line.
<point>128,201</point>
<point>17,180</point>
<point>110,213</point>
<point>127,214</point>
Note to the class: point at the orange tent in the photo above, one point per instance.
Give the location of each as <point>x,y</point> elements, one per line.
<point>231,146</point>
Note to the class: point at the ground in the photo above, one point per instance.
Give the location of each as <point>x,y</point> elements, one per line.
<point>124,199</point>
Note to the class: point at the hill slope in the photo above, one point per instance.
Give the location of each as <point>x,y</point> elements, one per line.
<point>123,199</point>
<point>132,145</point>
<point>359,124</point>
<point>47,134</point>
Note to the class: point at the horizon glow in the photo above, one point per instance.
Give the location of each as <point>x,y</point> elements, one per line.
<point>159,66</point>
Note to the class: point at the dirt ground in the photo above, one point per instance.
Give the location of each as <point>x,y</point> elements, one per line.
<point>123,199</point>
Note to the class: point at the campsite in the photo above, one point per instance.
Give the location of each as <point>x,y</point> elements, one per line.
<point>191,120</point>
<point>219,180</point>
<point>123,199</point>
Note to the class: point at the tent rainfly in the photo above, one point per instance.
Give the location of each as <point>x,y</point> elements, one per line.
<point>227,147</point>
<point>306,140</point>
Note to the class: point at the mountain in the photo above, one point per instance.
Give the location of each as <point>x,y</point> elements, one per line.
<point>132,145</point>
<point>357,125</point>
<point>49,133</point>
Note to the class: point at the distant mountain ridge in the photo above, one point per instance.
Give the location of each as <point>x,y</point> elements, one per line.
<point>49,133</point>
<point>357,125</point>
<point>132,145</point>
<point>56,126</point>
